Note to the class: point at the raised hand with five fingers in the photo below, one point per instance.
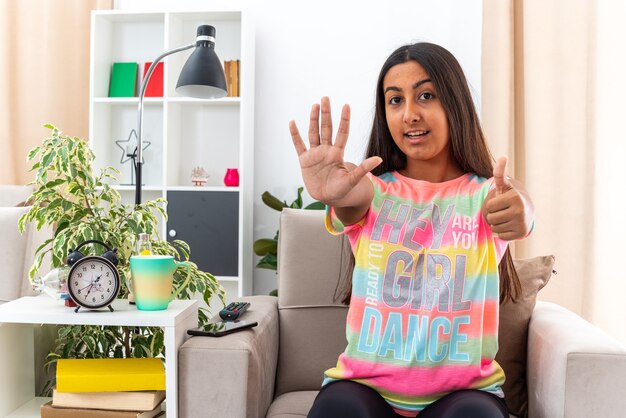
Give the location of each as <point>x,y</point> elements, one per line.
<point>327,177</point>
<point>508,208</point>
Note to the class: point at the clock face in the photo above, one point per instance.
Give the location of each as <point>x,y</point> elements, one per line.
<point>93,282</point>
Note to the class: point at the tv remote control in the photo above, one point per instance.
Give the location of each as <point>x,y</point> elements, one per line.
<point>234,310</point>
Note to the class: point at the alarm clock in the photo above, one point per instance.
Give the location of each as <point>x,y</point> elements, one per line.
<point>93,281</point>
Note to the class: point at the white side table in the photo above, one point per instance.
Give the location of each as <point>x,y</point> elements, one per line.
<point>18,318</point>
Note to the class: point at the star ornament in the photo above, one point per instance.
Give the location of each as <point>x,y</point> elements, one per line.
<point>129,150</point>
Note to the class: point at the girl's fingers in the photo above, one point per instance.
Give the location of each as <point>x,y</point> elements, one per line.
<point>327,123</point>
<point>508,236</point>
<point>509,226</point>
<point>314,126</point>
<point>326,136</point>
<point>499,217</point>
<point>298,143</point>
<point>344,127</point>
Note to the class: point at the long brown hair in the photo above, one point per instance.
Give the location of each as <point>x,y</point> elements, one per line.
<point>467,142</point>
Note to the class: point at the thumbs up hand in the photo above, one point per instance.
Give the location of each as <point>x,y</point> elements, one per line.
<point>508,208</point>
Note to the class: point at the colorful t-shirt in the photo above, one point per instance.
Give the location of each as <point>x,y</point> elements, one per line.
<point>423,317</point>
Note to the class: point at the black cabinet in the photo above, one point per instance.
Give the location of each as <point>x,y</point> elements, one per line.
<point>209,222</point>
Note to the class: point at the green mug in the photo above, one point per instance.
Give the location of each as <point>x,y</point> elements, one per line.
<point>152,281</point>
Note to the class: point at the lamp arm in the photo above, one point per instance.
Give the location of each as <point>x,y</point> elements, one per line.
<point>144,84</point>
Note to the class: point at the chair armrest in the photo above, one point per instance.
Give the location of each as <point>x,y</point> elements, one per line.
<point>574,368</point>
<point>231,376</point>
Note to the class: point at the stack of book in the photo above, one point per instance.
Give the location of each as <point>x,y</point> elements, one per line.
<point>107,388</point>
<point>232,71</point>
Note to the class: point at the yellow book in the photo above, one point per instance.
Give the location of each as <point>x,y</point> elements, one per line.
<point>110,374</point>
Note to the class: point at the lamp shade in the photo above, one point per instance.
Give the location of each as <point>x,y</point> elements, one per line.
<point>202,75</point>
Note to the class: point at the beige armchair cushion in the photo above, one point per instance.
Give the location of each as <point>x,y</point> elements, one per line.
<point>13,252</point>
<point>311,271</point>
<point>14,195</point>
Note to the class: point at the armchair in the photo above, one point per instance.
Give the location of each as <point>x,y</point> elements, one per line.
<point>17,250</point>
<point>275,369</point>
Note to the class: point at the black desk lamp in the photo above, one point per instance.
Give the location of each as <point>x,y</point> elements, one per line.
<point>202,77</point>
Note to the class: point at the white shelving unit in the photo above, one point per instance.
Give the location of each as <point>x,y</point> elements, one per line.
<point>19,317</point>
<point>184,133</point>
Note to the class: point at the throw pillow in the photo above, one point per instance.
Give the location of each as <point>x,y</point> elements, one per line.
<point>534,274</point>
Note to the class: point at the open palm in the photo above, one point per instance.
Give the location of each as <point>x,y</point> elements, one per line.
<point>327,177</point>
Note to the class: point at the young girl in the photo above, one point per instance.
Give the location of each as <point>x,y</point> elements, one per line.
<point>428,217</point>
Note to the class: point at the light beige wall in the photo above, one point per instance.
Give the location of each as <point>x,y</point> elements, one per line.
<point>44,77</point>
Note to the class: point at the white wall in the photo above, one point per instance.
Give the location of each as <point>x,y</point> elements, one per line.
<point>335,48</point>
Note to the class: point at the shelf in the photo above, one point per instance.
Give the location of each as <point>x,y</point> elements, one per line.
<point>144,189</point>
<point>131,16</point>
<point>217,102</point>
<point>172,99</point>
<point>30,409</point>
<point>227,279</point>
<point>128,100</point>
<point>201,189</point>
<point>19,317</point>
<point>209,16</point>
<point>126,188</point>
<point>43,309</point>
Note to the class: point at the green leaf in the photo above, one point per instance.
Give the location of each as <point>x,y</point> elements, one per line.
<point>202,317</point>
<point>21,223</point>
<point>68,347</point>
<point>118,352</point>
<point>53,183</point>
<point>268,266</point>
<point>317,205</point>
<point>273,202</point>
<point>268,262</point>
<point>59,244</point>
<point>297,204</point>
<point>62,225</point>
<point>64,159</point>
<point>47,159</point>
<point>265,245</point>
<point>32,153</point>
<point>90,342</point>
<point>64,332</point>
<point>42,246</point>
<point>55,203</point>
<point>134,227</point>
<point>157,343</point>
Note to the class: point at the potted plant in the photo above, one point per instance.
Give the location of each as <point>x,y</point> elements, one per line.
<point>79,206</point>
<point>267,248</point>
